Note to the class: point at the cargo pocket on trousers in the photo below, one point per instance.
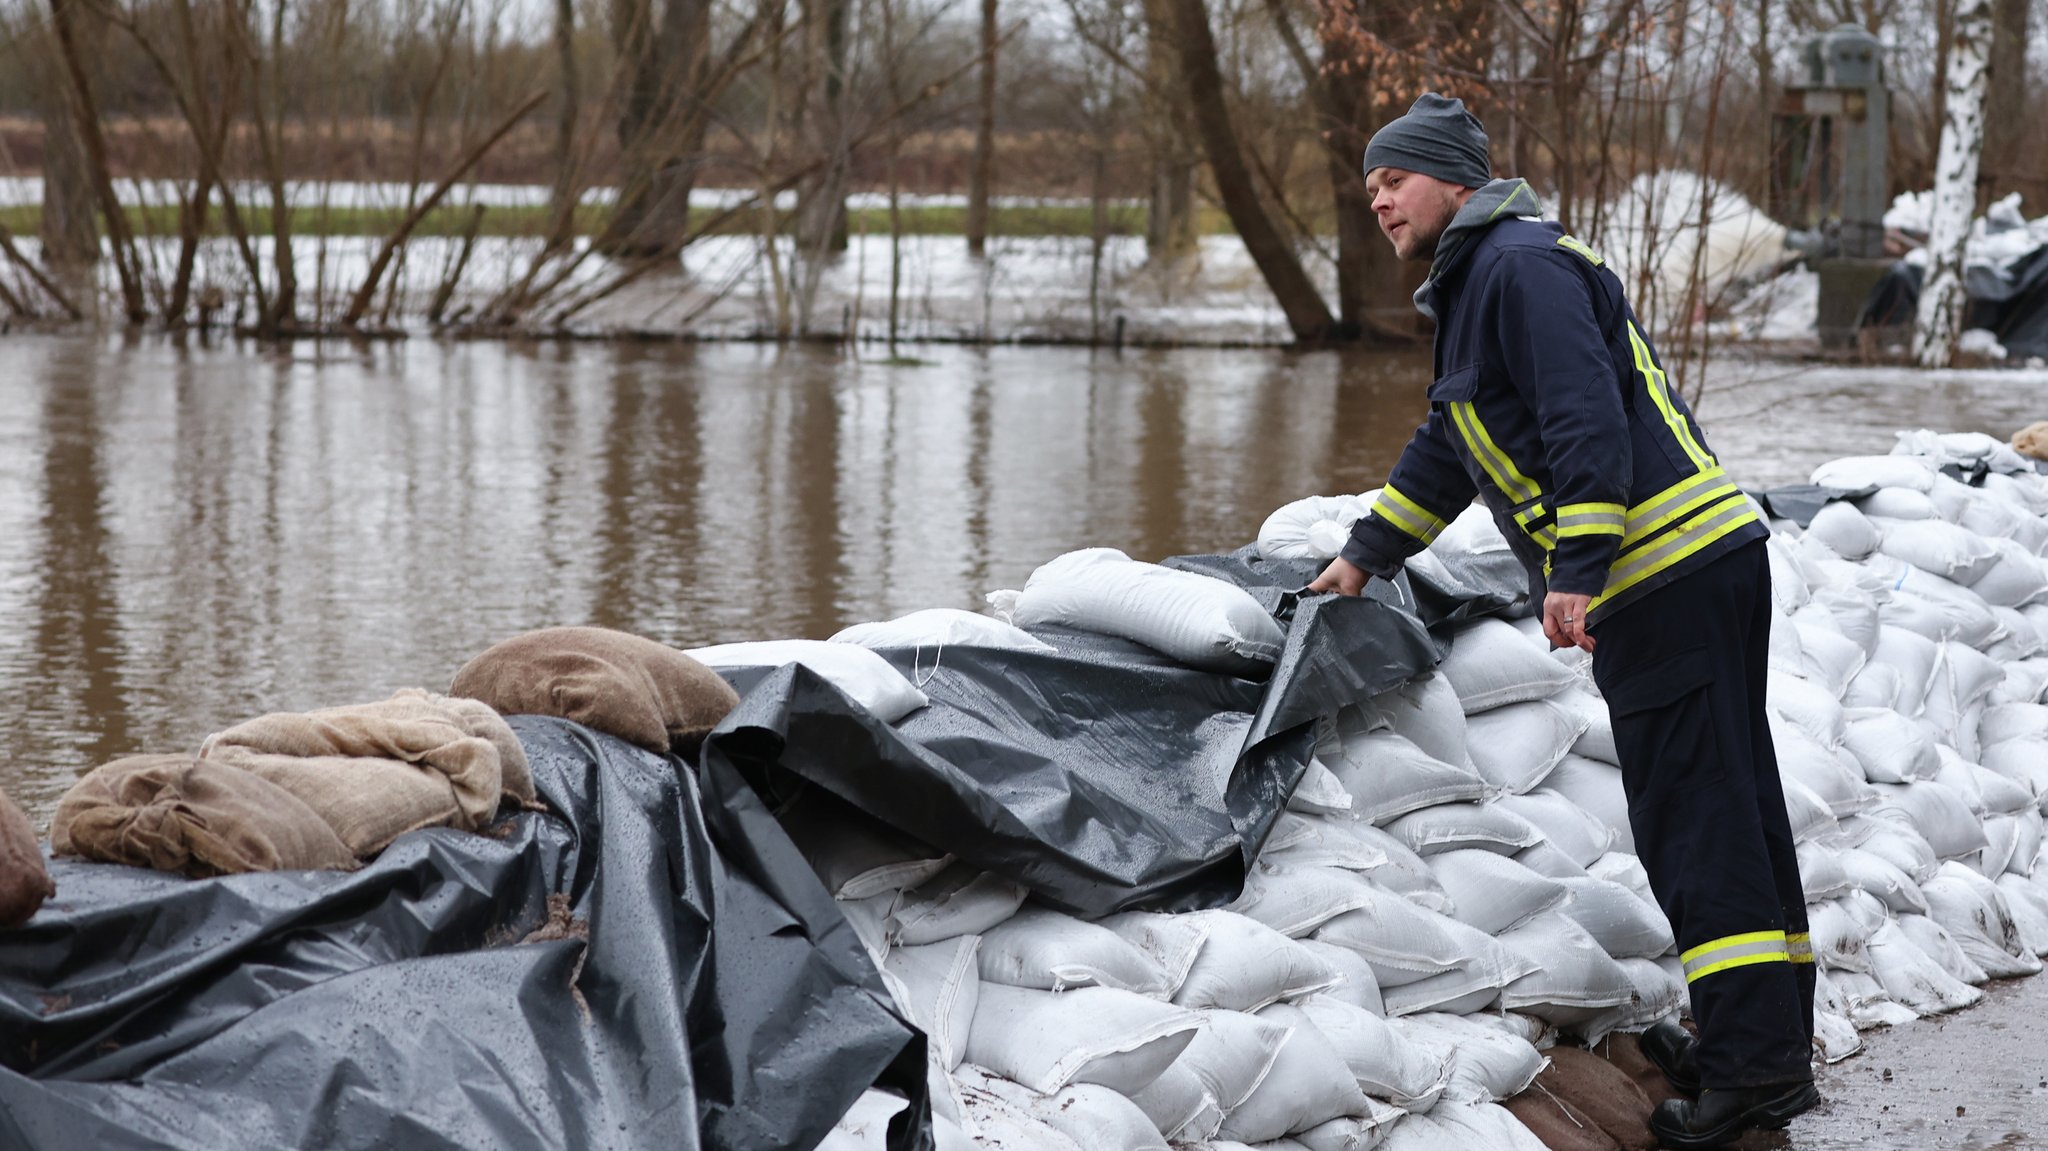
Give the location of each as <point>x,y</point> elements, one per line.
<point>1664,725</point>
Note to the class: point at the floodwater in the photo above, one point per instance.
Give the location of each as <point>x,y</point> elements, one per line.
<point>192,536</point>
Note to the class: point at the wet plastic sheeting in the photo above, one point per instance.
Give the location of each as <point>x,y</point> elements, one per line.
<point>715,997</point>
<point>1104,777</point>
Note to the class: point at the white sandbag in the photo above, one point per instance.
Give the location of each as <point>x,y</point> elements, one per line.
<point>1839,938</point>
<point>1492,892</point>
<point>865,677</point>
<point>1235,1053</point>
<point>1811,707</point>
<point>1575,977</point>
<point>865,1126</point>
<point>1299,840</point>
<point>1244,965</point>
<point>1834,1035</point>
<point>1856,473</point>
<point>1490,664</point>
<point>1090,1115</point>
<point>1294,901</point>
<point>1940,547</point>
<point>1828,657</point>
<point>1966,779</point>
<point>1624,868</point>
<point>2028,902</point>
<point>1895,503</point>
<point>1573,830</point>
<point>2033,828</point>
<point>1306,529</point>
<point>1388,776</point>
<point>2002,839</point>
<point>1912,979</point>
<point>1194,619</point>
<point>1180,1106</point>
<point>1597,741</point>
<point>1169,942</point>
<point>1871,872</point>
<point>1840,785</point>
<point>967,1116</point>
<point>1901,845</point>
<point>1380,1058</point>
<point>1308,1085</point>
<point>937,986</point>
<point>1318,792</point>
<point>1484,1063</point>
<point>1843,528</point>
<point>1935,941</point>
<point>2012,721</point>
<point>1516,745</point>
<point>1890,747</point>
<point>1870,1005</point>
<point>1402,942</point>
<point>1937,812</point>
<point>1546,860</point>
<point>1962,679</point>
<point>1877,685</point>
<point>1426,712</point>
<point>1809,816</point>
<point>1596,788</point>
<point>1347,1132</point>
<point>1974,911</point>
<point>1785,654</point>
<point>1046,1040</point>
<point>1855,612</point>
<point>1788,582</point>
<point>1659,994</point>
<point>1913,657</point>
<point>1474,986</point>
<point>2024,761</point>
<point>2014,579</point>
<point>1452,826</point>
<point>959,901</point>
<point>1049,950</point>
<point>1406,872</point>
<point>2025,492</point>
<point>1456,1131</point>
<point>2026,681</point>
<point>2021,641</point>
<point>939,628</point>
<point>1359,987</point>
<point>1624,924</point>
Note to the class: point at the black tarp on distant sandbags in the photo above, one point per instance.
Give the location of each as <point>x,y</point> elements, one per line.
<point>1104,777</point>
<point>720,1000</point>
<point>2013,306</point>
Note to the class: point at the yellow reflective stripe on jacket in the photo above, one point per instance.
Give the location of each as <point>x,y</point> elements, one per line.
<point>1590,519</point>
<point>1660,394</point>
<point>1675,503</point>
<point>1405,514</point>
<point>1734,951</point>
<point>1713,522</point>
<point>1799,945</point>
<point>1506,476</point>
<point>1574,244</point>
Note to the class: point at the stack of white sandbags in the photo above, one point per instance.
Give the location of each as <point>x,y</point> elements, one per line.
<point>1453,885</point>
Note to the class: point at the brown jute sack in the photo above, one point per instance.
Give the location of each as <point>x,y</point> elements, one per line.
<point>375,771</point>
<point>177,813</point>
<point>1601,1092</point>
<point>2032,440</point>
<point>639,690</point>
<point>24,881</point>
<point>1556,1123</point>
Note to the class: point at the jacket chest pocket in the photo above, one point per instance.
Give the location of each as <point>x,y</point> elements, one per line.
<point>1461,386</point>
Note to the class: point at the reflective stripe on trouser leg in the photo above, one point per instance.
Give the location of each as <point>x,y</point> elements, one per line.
<point>1675,667</point>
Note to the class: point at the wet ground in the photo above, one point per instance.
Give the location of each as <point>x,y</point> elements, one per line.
<point>1973,1081</point>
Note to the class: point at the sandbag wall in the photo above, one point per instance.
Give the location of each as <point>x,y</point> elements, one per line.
<point>1453,888</point>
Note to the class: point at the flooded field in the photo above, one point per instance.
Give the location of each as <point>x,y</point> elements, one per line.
<point>192,536</point>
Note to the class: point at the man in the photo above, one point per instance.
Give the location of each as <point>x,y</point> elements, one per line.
<point>1550,403</point>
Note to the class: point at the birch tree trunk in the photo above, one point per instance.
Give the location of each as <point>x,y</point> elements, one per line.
<point>1942,299</point>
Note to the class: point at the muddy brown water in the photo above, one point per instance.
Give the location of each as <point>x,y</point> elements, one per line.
<point>191,536</point>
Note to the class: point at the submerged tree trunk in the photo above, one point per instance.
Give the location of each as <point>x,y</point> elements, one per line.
<point>568,187</point>
<point>70,234</point>
<point>660,129</point>
<point>821,198</point>
<point>1170,233</point>
<point>980,169</point>
<point>1942,298</point>
<point>1307,316</point>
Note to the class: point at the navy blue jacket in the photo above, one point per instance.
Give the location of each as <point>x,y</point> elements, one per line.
<point>1550,403</point>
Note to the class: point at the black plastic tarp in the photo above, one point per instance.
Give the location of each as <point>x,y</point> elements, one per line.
<point>719,1001</point>
<point>1104,777</point>
<point>2011,302</point>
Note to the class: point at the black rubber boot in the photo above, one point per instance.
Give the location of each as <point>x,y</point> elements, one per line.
<point>1674,1051</point>
<point>1720,1116</point>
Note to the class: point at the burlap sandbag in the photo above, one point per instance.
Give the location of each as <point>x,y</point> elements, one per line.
<point>2032,441</point>
<point>24,881</point>
<point>639,690</point>
<point>177,813</point>
<point>375,771</point>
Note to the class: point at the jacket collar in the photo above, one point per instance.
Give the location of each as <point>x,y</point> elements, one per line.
<point>1486,207</point>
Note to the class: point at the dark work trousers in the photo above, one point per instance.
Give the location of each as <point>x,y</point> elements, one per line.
<point>1683,673</point>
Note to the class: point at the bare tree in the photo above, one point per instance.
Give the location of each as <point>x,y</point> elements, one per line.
<point>981,166</point>
<point>1942,299</point>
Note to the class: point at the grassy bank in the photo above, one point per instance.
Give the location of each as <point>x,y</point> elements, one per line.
<point>1073,220</point>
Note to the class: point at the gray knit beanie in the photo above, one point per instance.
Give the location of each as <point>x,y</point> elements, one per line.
<point>1437,137</point>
